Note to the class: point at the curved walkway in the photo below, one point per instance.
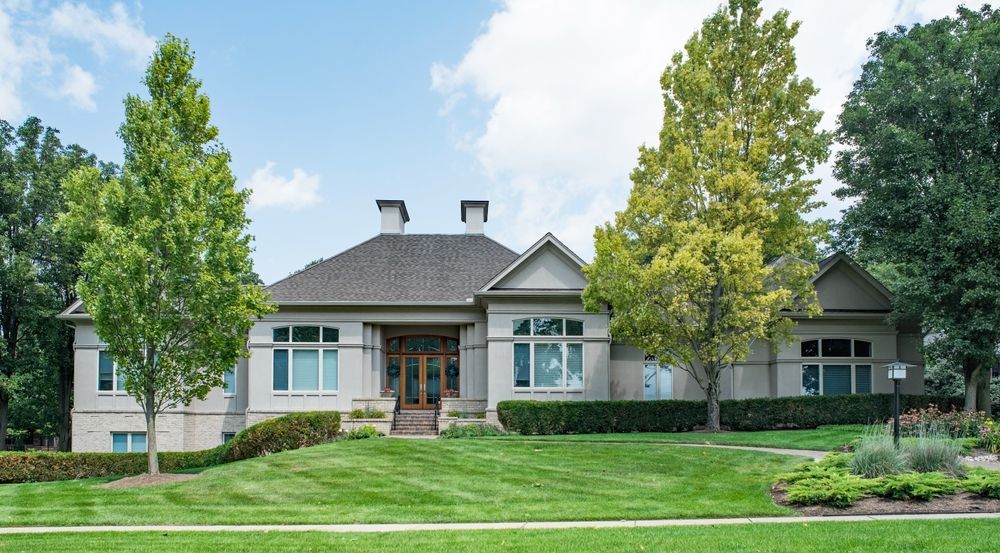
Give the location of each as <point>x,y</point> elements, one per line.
<point>423,527</point>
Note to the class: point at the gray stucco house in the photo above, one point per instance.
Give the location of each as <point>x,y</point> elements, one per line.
<point>453,324</point>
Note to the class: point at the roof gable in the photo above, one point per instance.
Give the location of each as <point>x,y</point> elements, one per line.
<point>843,285</point>
<point>546,265</point>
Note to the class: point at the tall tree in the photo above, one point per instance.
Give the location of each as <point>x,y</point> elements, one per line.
<point>167,269</point>
<point>922,164</point>
<point>33,164</point>
<point>712,251</point>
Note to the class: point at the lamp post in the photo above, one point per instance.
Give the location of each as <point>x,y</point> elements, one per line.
<point>896,372</point>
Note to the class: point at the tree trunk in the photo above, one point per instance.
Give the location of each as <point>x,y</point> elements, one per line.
<point>712,395</point>
<point>4,407</point>
<point>971,371</point>
<point>154,461</point>
<point>983,399</point>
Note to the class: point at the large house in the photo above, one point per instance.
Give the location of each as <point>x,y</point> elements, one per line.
<point>445,326</point>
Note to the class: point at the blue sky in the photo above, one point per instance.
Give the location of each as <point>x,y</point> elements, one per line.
<point>537,106</point>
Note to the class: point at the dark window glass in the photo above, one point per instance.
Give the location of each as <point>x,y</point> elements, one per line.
<point>574,328</point>
<point>280,370</point>
<point>836,380</point>
<point>280,334</point>
<point>522,365</point>
<point>105,372</point>
<point>862,348</point>
<point>331,334</point>
<point>522,327</point>
<point>863,379</point>
<point>392,373</point>
<point>451,374</point>
<point>810,348</point>
<point>547,327</point>
<point>394,345</point>
<point>810,380</point>
<point>305,334</point>
<point>452,345</point>
<point>424,343</point>
<point>836,347</point>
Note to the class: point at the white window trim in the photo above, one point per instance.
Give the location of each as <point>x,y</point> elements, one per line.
<point>235,385</point>
<point>531,328</point>
<point>304,346</point>
<point>565,366</point>
<point>114,391</point>
<point>854,376</point>
<point>819,347</point>
<point>128,440</point>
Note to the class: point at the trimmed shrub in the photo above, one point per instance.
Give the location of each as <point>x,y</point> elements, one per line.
<point>283,433</point>
<point>363,433</point>
<point>916,485</point>
<point>48,466</point>
<point>875,454</point>
<point>594,417</point>
<point>983,482</point>
<point>472,431</point>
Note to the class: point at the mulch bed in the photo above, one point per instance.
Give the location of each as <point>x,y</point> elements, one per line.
<point>963,502</point>
<point>147,480</point>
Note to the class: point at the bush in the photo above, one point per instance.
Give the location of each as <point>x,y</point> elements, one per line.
<point>983,482</point>
<point>590,417</point>
<point>933,452</point>
<point>954,424</point>
<point>363,432</point>
<point>48,466</point>
<point>837,490</point>
<point>989,436</point>
<point>367,413</point>
<point>472,431</point>
<point>283,433</point>
<point>916,485</point>
<point>875,454</point>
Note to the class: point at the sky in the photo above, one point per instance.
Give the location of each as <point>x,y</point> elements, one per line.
<point>537,106</point>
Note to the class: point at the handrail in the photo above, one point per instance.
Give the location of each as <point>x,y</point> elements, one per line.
<point>437,415</point>
<point>395,414</point>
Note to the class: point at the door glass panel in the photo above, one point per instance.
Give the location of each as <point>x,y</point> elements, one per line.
<point>423,344</point>
<point>433,367</point>
<point>411,380</point>
<point>452,345</point>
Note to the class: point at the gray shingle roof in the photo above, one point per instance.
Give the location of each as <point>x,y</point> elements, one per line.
<point>415,268</point>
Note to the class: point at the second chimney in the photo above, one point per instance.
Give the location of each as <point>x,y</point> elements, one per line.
<point>474,214</point>
<point>394,216</point>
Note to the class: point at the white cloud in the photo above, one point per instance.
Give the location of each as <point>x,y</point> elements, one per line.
<point>34,51</point>
<point>79,87</point>
<point>272,190</point>
<point>117,31</point>
<point>573,89</point>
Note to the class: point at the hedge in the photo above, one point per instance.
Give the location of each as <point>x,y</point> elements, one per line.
<point>606,417</point>
<point>270,436</point>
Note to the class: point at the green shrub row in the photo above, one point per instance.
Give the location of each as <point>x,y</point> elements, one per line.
<point>594,417</point>
<point>270,436</point>
<point>472,431</point>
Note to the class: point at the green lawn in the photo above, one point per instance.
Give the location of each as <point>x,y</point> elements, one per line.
<point>394,480</point>
<point>881,537</point>
<point>824,438</point>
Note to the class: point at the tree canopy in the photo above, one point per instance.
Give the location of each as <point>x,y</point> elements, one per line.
<point>922,166</point>
<point>168,277</point>
<point>712,248</point>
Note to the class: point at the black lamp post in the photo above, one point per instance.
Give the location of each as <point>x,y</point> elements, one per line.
<point>896,372</point>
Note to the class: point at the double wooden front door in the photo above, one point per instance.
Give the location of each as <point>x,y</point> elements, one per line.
<point>420,379</point>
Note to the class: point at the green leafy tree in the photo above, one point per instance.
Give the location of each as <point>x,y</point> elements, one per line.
<point>168,277</point>
<point>712,251</point>
<point>35,347</point>
<point>922,166</point>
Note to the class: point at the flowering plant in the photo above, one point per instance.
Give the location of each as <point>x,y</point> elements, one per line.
<point>957,424</point>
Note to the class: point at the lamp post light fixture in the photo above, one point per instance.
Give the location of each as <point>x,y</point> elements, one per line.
<point>896,371</point>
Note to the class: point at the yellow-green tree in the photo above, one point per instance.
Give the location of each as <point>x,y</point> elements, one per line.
<point>712,252</point>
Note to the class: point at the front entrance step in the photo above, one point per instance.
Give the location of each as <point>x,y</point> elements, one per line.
<point>415,423</point>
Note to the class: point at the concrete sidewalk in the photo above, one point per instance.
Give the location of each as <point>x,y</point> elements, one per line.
<point>465,526</point>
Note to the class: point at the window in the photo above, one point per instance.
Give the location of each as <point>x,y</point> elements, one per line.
<point>548,365</point>
<point>305,370</point>
<point>229,377</point>
<point>128,442</point>
<point>306,334</point>
<point>836,379</point>
<point>547,326</point>
<point>657,380</point>
<point>108,379</point>
<point>836,347</point>
<point>418,344</point>
<point>227,436</point>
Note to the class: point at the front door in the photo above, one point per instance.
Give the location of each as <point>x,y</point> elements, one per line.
<point>421,382</point>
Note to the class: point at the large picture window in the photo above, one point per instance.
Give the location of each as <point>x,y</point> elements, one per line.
<point>836,379</point>
<point>657,379</point>
<point>835,347</point>
<point>548,365</point>
<point>108,378</point>
<point>305,370</point>
<point>128,442</point>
